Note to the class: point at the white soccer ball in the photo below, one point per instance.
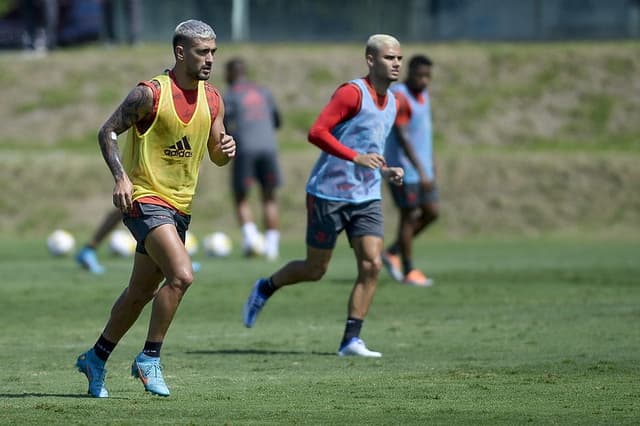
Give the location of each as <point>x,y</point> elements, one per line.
<point>217,244</point>
<point>122,243</point>
<point>191,243</point>
<point>60,242</point>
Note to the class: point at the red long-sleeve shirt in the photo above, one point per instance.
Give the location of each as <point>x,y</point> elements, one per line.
<point>344,104</point>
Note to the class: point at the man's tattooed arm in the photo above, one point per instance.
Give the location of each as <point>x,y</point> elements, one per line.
<point>137,105</point>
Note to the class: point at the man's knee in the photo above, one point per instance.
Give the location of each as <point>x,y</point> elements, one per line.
<point>371,267</point>
<point>268,194</point>
<point>240,196</point>
<point>430,213</point>
<point>316,271</point>
<point>181,281</point>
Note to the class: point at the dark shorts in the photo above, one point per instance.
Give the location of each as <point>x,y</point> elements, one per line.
<point>144,217</point>
<point>326,219</point>
<point>410,196</point>
<point>249,167</point>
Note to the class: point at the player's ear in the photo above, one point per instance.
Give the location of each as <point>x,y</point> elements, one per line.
<point>369,58</point>
<point>179,53</point>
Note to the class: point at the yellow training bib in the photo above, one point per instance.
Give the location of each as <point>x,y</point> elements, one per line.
<point>165,160</point>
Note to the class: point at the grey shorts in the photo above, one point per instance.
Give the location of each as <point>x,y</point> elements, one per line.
<point>326,219</point>
<point>250,167</point>
<point>144,217</point>
<point>411,196</point>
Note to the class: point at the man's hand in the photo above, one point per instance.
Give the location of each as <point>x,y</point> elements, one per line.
<point>227,145</point>
<point>122,194</point>
<point>393,175</point>
<point>371,160</point>
<point>426,184</point>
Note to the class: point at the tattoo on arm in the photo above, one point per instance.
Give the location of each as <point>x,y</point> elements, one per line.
<point>137,105</point>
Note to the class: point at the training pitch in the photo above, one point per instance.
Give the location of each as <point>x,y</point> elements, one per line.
<point>513,332</point>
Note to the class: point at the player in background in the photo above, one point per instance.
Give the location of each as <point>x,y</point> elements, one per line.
<point>343,190</point>
<point>172,121</point>
<point>252,116</point>
<point>86,256</point>
<point>410,146</point>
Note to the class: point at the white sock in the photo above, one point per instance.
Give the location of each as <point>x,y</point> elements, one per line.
<point>272,243</point>
<point>249,232</point>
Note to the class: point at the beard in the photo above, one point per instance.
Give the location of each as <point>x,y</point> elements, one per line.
<point>203,75</point>
<point>200,74</point>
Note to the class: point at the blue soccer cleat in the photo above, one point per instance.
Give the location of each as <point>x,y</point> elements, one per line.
<point>88,260</point>
<point>93,367</point>
<point>254,304</point>
<point>149,371</point>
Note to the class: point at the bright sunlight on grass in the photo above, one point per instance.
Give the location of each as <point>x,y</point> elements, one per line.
<point>513,332</point>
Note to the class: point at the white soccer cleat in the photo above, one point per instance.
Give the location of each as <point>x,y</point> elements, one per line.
<point>255,246</point>
<point>356,347</point>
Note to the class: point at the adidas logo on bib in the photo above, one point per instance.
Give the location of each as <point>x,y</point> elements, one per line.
<point>182,148</point>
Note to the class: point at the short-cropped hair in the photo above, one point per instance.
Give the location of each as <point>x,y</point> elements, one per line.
<point>192,29</point>
<point>377,41</point>
<point>419,60</point>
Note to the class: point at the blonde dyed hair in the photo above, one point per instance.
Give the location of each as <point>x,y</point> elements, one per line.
<point>192,29</point>
<point>378,41</point>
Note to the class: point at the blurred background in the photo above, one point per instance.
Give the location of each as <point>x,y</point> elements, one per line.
<point>535,104</point>
<point>73,21</point>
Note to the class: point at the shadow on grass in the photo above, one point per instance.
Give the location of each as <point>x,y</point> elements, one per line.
<point>47,395</point>
<point>256,352</point>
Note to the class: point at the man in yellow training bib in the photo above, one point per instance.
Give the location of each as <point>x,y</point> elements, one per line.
<point>172,121</point>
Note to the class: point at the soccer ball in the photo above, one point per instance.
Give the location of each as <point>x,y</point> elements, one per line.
<point>217,244</point>
<point>60,242</point>
<point>191,243</point>
<point>122,243</point>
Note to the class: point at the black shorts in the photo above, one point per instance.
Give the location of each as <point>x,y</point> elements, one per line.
<point>144,217</point>
<point>326,219</point>
<point>249,167</point>
<point>411,196</point>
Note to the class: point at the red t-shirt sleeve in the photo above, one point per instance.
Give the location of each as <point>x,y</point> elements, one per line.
<point>404,110</point>
<point>344,104</point>
<point>213,98</point>
<point>144,124</point>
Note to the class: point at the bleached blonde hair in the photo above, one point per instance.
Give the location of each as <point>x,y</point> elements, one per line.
<point>192,29</point>
<point>377,41</point>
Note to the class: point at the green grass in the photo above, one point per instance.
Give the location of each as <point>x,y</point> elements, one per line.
<point>483,93</point>
<point>513,332</point>
<point>52,98</point>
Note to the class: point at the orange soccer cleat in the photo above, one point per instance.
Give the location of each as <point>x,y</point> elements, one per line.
<point>393,264</point>
<point>416,278</point>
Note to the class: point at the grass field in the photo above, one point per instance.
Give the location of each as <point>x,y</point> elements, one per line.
<point>513,332</point>
<point>534,316</point>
